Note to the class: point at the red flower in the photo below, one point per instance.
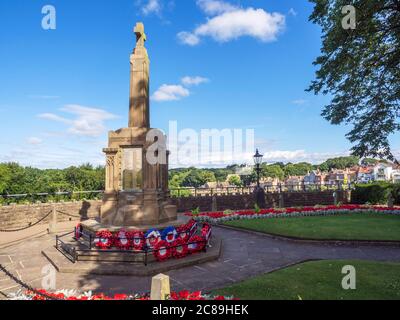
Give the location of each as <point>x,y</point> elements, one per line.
<point>122,240</point>
<point>78,231</point>
<point>120,297</point>
<point>104,239</point>
<point>196,244</point>
<point>179,248</point>
<point>137,240</point>
<point>162,250</point>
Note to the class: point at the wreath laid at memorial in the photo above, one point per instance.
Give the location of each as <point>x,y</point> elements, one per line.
<point>221,217</point>
<point>168,243</point>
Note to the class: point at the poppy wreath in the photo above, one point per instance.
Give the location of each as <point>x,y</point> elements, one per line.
<point>169,234</point>
<point>206,231</point>
<point>192,227</point>
<point>137,240</point>
<point>78,231</point>
<point>179,249</point>
<point>122,240</point>
<point>153,237</point>
<point>196,244</point>
<point>183,233</point>
<point>162,250</point>
<point>104,239</point>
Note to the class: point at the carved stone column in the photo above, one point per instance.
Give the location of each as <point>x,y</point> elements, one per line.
<point>111,169</point>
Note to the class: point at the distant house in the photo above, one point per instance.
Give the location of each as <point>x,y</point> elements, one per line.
<point>382,172</point>
<point>270,184</point>
<point>294,183</point>
<point>396,176</point>
<point>365,174</point>
<point>216,185</point>
<point>337,176</point>
<point>315,177</point>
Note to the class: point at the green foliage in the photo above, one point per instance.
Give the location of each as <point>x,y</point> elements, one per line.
<point>196,211</point>
<point>235,181</point>
<point>190,177</point>
<point>297,169</point>
<point>369,161</point>
<point>257,208</point>
<point>228,212</point>
<point>396,193</point>
<point>373,193</point>
<point>360,69</point>
<point>272,171</point>
<point>339,163</point>
<point>15,179</point>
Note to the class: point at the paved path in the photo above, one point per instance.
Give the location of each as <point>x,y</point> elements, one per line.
<point>244,255</point>
<point>9,238</point>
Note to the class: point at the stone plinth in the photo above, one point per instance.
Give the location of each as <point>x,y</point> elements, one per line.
<point>136,190</point>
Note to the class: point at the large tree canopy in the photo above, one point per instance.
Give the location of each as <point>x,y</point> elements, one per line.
<point>360,68</point>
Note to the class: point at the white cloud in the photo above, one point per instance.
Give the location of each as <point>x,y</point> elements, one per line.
<point>213,7</point>
<point>193,81</point>
<point>299,101</point>
<point>152,6</point>
<point>233,22</point>
<point>34,141</point>
<point>87,122</point>
<point>43,97</point>
<point>170,92</point>
<point>188,38</point>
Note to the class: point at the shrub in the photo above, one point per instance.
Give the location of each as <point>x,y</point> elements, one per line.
<point>373,193</point>
<point>396,193</point>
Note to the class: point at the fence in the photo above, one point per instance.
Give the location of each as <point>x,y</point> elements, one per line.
<point>28,198</point>
<point>277,188</point>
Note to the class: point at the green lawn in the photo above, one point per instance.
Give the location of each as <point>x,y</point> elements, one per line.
<point>365,226</point>
<point>321,280</point>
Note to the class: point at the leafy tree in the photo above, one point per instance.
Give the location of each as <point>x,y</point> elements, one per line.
<point>234,180</point>
<point>272,171</point>
<point>339,163</point>
<point>5,178</point>
<point>297,169</point>
<point>360,68</point>
<point>369,161</point>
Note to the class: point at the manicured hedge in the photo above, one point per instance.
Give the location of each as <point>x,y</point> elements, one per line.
<point>375,193</point>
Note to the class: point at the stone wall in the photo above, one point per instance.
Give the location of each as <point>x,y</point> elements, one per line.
<point>16,216</point>
<point>246,201</point>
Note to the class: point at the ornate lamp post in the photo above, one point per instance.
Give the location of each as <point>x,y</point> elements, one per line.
<point>259,192</point>
<point>258,157</point>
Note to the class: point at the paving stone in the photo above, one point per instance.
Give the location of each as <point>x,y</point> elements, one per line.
<point>244,255</point>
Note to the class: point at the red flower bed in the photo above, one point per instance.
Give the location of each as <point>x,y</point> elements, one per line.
<point>62,295</point>
<point>220,216</point>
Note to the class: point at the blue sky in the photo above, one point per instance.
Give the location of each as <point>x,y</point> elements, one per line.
<point>246,63</point>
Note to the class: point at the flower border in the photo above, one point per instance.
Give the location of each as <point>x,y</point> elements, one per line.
<point>221,217</point>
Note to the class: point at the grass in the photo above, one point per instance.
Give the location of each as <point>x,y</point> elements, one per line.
<point>356,226</point>
<point>321,280</point>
